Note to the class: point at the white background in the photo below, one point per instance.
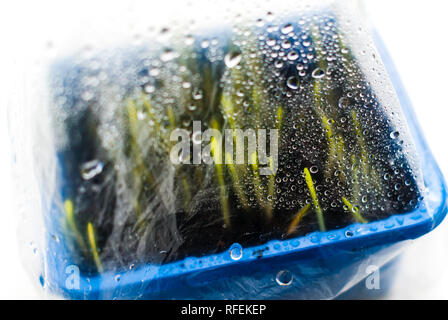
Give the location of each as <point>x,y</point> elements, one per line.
<point>415,33</point>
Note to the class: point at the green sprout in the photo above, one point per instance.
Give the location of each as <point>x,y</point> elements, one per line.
<point>69,215</point>
<point>271,189</point>
<point>354,210</point>
<point>316,206</point>
<point>299,216</point>
<point>256,178</point>
<point>312,129</point>
<point>217,156</point>
<point>93,247</point>
<point>237,182</point>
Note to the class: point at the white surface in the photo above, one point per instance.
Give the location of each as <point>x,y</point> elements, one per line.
<point>414,33</point>
<point>14,282</point>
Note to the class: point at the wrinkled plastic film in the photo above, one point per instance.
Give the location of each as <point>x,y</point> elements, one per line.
<point>118,206</point>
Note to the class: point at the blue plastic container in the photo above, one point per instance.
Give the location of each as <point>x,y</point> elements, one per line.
<point>317,266</point>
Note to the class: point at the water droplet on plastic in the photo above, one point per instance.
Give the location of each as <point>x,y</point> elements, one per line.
<point>154,72</point>
<point>168,55</point>
<point>205,44</point>
<point>349,234</point>
<point>278,64</point>
<point>232,59</point>
<point>318,73</point>
<point>189,40</point>
<point>271,42</point>
<point>87,95</point>
<point>343,102</point>
<point>284,278</point>
<point>306,43</point>
<point>395,134</point>
<point>197,94</point>
<point>149,88</point>
<point>286,44</point>
<point>91,169</point>
<point>293,56</point>
<point>141,115</point>
<point>288,28</point>
<point>236,251</point>
<point>186,85</point>
<point>292,83</point>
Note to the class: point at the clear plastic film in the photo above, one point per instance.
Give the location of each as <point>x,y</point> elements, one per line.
<point>237,151</point>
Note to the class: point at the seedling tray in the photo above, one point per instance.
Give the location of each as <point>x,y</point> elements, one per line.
<point>317,265</point>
